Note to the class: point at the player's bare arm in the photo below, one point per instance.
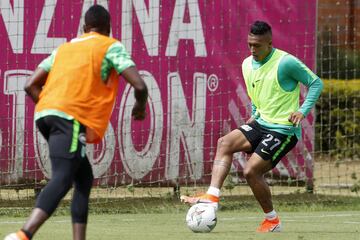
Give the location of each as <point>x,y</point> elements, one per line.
<point>132,76</point>
<point>34,84</point>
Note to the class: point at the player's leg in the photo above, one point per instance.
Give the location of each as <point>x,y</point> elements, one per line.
<point>234,141</point>
<point>254,171</point>
<point>51,195</point>
<point>63,169</point>
<point>80,202</point>
<point>83,179</point>
<point>38,216</point>
<point>267,154</point>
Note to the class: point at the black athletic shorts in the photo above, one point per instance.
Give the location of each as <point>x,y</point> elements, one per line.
<point>269,145</point>
<point>66,138</point>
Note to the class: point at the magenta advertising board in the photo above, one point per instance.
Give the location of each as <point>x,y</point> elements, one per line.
<point>189,52</point>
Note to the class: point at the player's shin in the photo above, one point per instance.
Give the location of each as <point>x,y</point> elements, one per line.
<point>220,170</point>
<point>79,231</point>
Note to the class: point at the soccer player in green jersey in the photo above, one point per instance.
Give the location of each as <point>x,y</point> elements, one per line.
<point>272,79</point>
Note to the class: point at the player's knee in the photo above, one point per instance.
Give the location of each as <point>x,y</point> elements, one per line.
<point>79,214</point>
<point>224,145</point>
<point>80,207</point>
<point>89,181</point>
<point>249,173</point>
<point>84,183</point>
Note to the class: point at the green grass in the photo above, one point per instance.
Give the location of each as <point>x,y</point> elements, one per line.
<point>231,225</point>
<point>304,216</point>
<point>296,202</point>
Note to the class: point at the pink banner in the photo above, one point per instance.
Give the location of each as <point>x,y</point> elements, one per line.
<point>189,52</point>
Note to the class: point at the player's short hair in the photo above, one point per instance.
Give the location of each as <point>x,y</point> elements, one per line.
<point>97,17</point>
<point>260,28</point>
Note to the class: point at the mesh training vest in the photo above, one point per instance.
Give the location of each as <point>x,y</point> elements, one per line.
<point>272,103</point>
<point>74,84</point>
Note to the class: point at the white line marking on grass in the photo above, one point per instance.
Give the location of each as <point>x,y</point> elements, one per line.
<point>322,216</point>
<point>292,218</point>
<point>65,221</point>
<point>12,222</point>
<point>18,222</point>
<point>255,218</point>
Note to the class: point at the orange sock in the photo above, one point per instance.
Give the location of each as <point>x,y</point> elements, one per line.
<point>22,235</point>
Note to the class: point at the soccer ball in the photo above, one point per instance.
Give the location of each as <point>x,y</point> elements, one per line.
<point>201,218</point>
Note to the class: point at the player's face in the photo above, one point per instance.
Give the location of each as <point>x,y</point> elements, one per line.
<point>260,46</point>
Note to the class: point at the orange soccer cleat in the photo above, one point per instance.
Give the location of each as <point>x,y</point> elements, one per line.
<point>205,198</point>
<point>267,225</point>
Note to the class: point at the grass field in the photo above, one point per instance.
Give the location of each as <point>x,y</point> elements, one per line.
<point>304,216</point>
<point>171,226</point>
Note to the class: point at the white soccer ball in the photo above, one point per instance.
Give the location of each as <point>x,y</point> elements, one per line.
<point>12,236</point>
<point>201,218</point>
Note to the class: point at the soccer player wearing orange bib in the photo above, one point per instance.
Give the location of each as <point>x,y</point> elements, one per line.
<point>272,78</point>
<point>75,90</point>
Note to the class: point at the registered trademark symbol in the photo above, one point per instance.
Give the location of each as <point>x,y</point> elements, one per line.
<point>213,83</point>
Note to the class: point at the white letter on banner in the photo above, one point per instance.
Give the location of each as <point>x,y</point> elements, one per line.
<point>149,24</point>
<point>14,81</point>
<point>102,163</point>
<point>42,43</point>
<point>182,128</point>
<point>41,150</point>
<point>14,22</point>
<point>86,5</point>
<point>180,30</point>
<point>139,163</point>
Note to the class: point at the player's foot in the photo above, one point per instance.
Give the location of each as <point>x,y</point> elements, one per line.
<point>270,225</point>
<point>20,235</point>
<point>205,198</point>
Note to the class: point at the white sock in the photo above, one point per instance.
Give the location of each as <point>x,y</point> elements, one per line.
<point>214,191</point>
<point>271,215</point>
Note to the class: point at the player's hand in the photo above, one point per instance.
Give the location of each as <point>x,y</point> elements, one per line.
<point>250,120</point>
<point>296,118</point>
<point>139,111</point>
